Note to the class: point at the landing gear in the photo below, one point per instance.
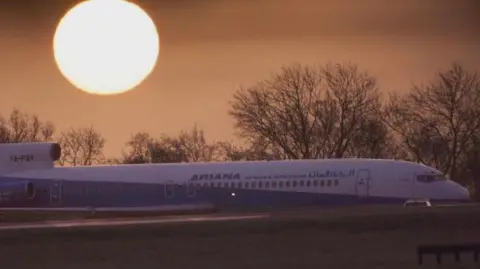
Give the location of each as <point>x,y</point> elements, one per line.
<point>417,202</point>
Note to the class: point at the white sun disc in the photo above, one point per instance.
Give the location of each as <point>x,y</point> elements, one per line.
<point>106,46</point>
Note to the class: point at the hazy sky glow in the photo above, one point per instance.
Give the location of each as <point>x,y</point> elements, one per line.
<point>209,48</point>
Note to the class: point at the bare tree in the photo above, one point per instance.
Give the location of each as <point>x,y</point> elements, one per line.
<point>468,172</point>
<point>281,111</point>
<point>373,139</point>
<point>186,147</point>
<point>230,151</point>
<point>310,112</point>
<point>437,121</point>
<point>113,161</point>
<point>350,113</point>
<point>23,127</point>
<point>254,150</point>
<point>81,146</point>
<point>138,149</point>
<point>195,146</point>
<point>168,150</point>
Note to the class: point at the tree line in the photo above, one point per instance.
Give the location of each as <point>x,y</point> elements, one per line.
<point>308,111</point>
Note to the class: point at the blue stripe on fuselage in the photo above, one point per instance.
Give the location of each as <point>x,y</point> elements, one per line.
<point>51,193</point>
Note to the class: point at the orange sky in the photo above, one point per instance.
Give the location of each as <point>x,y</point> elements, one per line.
<point>209,48</point>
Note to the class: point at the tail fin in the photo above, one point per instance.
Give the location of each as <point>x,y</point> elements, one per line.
<point>19,157</point>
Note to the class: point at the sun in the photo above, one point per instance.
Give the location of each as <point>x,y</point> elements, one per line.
<point>106,47</point>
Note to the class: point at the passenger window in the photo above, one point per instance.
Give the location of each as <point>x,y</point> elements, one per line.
<point>322,183</point>
<point>329,182</point>
<point>274,184</point>
<point>260,184</point>
<point>287,184</point>
<point>246,185</point>
<point>315,182</point>
<point>267,184</point>
<point>280,184</point>
<point>212,184</point>
<point>239,185</point>
<point>294,183</point>
<point>302,183</point>
<point>232,185</point>
<point>254,185</point>
<point>308,183</point>
<point>336,182</point>
<point>225,185</point>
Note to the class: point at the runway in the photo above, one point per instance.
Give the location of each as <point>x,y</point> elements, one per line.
<point>218,238</point>
<point>125,222</point>
<point>305,213</point>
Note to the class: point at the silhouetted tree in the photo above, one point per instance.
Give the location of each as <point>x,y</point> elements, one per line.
<point>373,139</point>
<point>23,127</point>
<point>437,121</point>
<point>254,150</point>
<point>468,172</point>
<point>186,147</point>
<point>230,151</point>
<point>194,146</point>
<point>81,146</point>
<point>313,112</point>
<point>138,149</point>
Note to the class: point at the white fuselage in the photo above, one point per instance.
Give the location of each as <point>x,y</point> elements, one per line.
<point>323,182</point>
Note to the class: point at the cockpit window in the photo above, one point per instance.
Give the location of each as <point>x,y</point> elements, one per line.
<point>430,178</point>
<point>425,178</point>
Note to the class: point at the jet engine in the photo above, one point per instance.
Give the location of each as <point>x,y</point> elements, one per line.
<point>16,192</point>
<point>19,157</point>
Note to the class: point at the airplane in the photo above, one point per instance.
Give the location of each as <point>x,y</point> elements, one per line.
<point>29,181</point>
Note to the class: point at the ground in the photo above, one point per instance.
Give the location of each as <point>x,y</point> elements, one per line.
<point>378,237</point>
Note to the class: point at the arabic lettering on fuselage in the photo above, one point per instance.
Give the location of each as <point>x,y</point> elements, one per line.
<point>330,173</point>
<point>237,176</point>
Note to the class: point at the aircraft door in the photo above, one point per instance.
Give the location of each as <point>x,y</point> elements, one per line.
<point>418,190</point>
<point>362,185</point>
<point>413,192</point>
<point>191,191</point>
<point>169,189</point>
<point>56,190</point>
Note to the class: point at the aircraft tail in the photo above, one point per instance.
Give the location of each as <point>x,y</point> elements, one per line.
<point>19,157</point>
